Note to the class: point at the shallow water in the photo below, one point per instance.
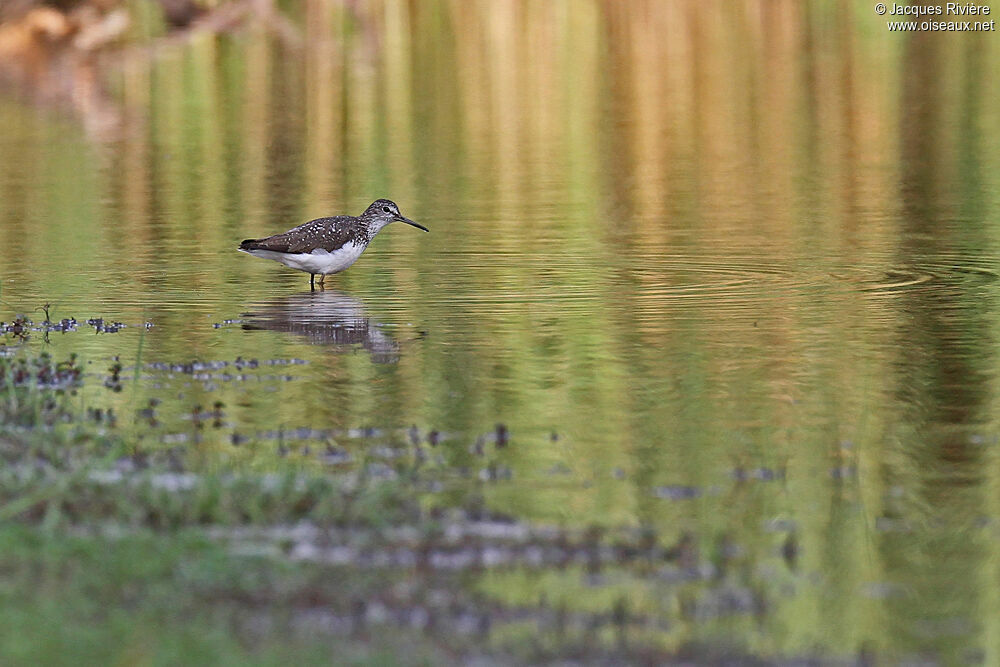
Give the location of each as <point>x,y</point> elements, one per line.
<point>730,272</point>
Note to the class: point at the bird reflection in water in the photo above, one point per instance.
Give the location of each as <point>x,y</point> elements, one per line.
<point>326,317</point>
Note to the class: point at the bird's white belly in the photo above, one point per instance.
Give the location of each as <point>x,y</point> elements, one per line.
<point>317,261</point>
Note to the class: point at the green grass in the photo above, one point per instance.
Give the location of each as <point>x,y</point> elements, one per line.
<point>163,599</point>
<point>120,570</point>
<point>117,550</point>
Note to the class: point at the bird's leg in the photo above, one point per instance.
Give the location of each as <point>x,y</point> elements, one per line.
<point>312,278</point>
<point>322,278</point>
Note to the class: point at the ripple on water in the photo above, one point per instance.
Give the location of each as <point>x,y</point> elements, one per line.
<point>894,280</point>
<point>677,277</point>
<point>649,282</point>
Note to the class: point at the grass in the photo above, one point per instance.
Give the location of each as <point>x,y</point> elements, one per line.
<point>153,598</point>
<point>115,554</point>
<point>106,557</point>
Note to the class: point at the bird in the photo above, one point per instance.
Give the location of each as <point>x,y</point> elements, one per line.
<point>327,245</point>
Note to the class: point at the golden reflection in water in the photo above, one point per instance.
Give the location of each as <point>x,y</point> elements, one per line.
<point>662,229</point>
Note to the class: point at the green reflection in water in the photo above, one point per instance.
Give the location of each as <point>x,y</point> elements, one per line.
<point>720,271</point>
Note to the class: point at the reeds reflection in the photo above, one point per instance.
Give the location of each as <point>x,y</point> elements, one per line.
<point>676,248</point>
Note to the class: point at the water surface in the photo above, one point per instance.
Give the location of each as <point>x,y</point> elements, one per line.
<point>727,273</point>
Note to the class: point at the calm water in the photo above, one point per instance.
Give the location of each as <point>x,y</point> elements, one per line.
<point>729,271</point>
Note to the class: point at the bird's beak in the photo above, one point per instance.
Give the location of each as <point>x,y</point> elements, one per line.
<point>410,222</point>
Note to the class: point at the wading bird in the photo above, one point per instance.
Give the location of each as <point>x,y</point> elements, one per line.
<point>327,245</point>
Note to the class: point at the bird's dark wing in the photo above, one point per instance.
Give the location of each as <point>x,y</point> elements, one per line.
<point>326,233</point>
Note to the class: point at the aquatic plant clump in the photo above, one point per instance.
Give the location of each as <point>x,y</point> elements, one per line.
<point>33,390</point>
<point>41,371</point>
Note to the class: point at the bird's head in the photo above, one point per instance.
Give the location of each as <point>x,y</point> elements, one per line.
<point>382,212</point>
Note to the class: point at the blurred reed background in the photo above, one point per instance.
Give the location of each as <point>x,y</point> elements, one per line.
<point>690,239</point>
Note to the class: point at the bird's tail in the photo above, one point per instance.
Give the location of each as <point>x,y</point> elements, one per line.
<point>249,244</point>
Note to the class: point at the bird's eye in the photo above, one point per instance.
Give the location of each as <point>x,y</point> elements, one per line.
<point>386,209</point>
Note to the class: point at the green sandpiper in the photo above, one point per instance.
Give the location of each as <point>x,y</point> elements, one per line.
<point>327,245</point>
